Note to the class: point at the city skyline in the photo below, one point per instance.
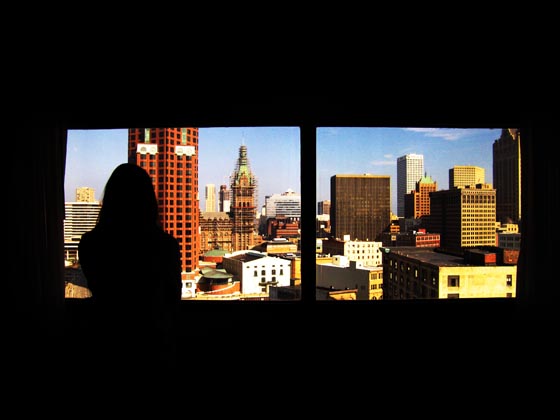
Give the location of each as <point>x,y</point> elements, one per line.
<point>374,150</point>
<point>273,154</point>
<point>93,154</point>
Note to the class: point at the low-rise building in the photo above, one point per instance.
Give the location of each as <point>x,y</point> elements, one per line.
<point>343,274</point>
<point>257,271</point>
<point>424,273</point>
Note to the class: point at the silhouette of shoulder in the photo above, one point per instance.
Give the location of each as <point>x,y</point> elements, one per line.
<point>142,265</point>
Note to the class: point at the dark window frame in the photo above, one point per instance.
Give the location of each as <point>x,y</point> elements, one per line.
<point>309,114</point>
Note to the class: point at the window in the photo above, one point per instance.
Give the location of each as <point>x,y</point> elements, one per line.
<point>453,184</point>
<point>39,279</point>
<point>259,168</point>
<point>453,281</point>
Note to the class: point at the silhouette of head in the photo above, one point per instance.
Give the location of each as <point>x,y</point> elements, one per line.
<point>129,199</point>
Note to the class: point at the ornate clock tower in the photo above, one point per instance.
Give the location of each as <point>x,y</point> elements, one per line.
<point>243,209</point>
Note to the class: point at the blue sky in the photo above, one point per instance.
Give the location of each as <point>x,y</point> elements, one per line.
<point>273,154</point>
<point>343,150</point>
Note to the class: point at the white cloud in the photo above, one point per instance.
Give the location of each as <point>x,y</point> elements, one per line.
<point>450,134</point>
<point>383,162</point>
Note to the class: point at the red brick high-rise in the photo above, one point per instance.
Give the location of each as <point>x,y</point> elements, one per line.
<point>170,156</point>
<point>417,202</point>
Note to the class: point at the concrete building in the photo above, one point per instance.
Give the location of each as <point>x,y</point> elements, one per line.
<point>509,240</point>
<point>464,217</point>
<point>324,207</point>
<point>328,293</point>
<point>257,271</point>
<point>506,169</point>
<point>463,175</point>
<point>276,246</point>
<point>361,206</point>
<point>79,217</point>
<point>210,197</point>
<point>85,194</point>
<point>224,200</point>
<point>322,226</point>
<point>419,238</point>
<point>287,204</point>
<point>422,273</point>
<point>410,169</point>
<point>368,253</point>
<point>343,274</point>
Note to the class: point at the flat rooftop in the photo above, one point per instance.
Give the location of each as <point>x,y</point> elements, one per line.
<point>429,256</point>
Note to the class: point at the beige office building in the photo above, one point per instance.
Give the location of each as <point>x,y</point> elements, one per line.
<point>422,273</point>
<point>460,176</point>
<point>464,217</point>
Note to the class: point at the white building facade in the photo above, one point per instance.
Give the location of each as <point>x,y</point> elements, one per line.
<point>257,271</point>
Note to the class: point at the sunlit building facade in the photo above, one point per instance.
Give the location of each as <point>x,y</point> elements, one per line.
<point>170,156</point>
<point>462,175</point>
<point>422,273</point>
<point>464,217</point>
<point>410,168</point>
<point>243,210</point>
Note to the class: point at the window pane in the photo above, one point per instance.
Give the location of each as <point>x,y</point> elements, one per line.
<point>245,205</point>
<point>395,204</point>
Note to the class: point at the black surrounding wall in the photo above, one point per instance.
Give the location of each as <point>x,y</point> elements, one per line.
<point>39,313</point>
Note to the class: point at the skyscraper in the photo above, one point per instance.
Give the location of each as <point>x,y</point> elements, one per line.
<point>210,192</point>
<point>287,204</point>
<point>324,207</point>
<point>80,217</point>
<point>225,199</point>
<point>461,175</point>
<point>417,202</point>
<point>360,206</point>
<point>464,217</point>
<point>243,203</point>
<point>170,156</point>
<point>506,170</point>
<point>410,168</point>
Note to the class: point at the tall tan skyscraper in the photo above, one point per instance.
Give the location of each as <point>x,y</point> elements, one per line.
<point>506,169</point>
<point>210,192</point>
<point>243,203</point>
<point>464,217</point>
<point>170,156</point>
<point>462,175</point>
<point>360,206</point>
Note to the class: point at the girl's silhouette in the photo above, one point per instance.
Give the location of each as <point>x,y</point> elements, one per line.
<point>133,269</point>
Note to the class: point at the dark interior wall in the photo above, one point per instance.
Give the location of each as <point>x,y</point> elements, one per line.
<point>39,313</point>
